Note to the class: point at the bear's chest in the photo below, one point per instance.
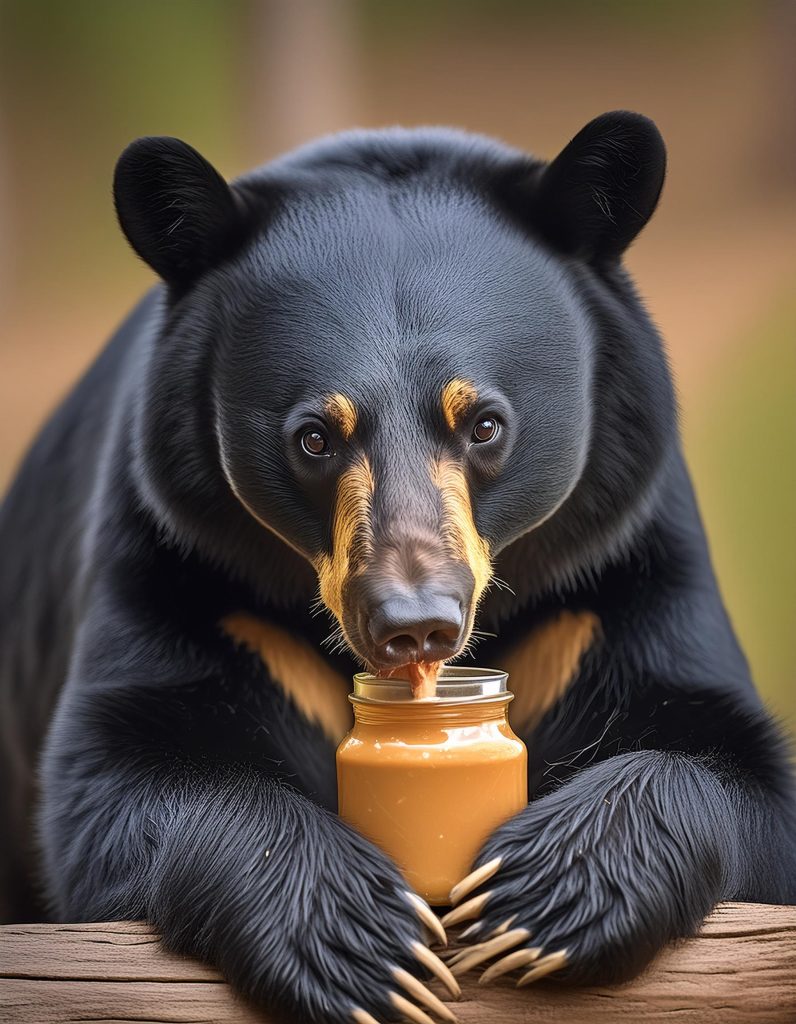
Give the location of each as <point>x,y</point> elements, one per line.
<point>310,712</point>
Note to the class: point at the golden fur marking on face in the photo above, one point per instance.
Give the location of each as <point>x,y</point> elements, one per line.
<point>458,527</point>
<point>343,412</point>
<point>351,534</point>
<point>319,693</point>
<point>457,398</point>
<point>543,665</point>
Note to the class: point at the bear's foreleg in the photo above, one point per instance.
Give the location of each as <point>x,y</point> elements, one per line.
<point>591,880</point>
<point>228,861</point>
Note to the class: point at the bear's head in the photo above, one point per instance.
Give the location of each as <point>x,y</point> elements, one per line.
<point>401,365</point>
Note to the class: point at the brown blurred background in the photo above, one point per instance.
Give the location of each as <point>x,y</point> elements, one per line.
<point>242,80</point>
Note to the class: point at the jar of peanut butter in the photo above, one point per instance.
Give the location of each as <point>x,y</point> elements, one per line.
<point>428,780</point>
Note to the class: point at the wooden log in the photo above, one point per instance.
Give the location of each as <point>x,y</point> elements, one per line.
<point>740,969</point>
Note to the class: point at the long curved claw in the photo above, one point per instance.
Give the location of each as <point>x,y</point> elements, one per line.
<point>548,964</point>
<point>470,930</point>
<point>501,928</point>
<point>433,963</point>
<point>474,879</point>
<point>363,1017</point>
<point>500,944</point>
<point>460,954</point>
<point>419,992</point>
<point>472,908</point>
<point>409,1010</point>
<point>428,917</point>
<point>519,958</point>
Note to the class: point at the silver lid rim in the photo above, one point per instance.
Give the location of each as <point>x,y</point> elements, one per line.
<point>455,685</point>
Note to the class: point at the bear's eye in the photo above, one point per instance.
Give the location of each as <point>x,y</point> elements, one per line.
<point>315,443</point>
<point>485,430</point>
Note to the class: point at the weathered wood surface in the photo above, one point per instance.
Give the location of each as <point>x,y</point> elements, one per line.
<point>741,969</point>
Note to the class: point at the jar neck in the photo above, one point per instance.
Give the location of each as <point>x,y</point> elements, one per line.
<point>462,713</point>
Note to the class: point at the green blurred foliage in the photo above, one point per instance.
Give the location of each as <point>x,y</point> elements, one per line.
<point>82,79</point>
<point>741,445</point>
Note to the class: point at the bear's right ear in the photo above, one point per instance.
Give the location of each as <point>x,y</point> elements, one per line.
<point>599,192</point>
<point>176,210</point>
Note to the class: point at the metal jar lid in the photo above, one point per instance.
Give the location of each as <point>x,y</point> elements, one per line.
<point>454,685</point>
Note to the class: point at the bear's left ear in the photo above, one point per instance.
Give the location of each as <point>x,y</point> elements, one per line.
<point>176,210</point>
<point>601,190</point>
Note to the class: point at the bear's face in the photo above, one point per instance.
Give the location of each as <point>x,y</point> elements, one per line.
<point>399,376</point>
<point>405,389</point>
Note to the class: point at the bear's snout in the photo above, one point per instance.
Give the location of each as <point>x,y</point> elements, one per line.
<point>415,626</point>
<point>409,601</point>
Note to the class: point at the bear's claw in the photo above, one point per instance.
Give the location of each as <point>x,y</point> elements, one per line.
<point>433,963</point>
<point>428,917</point>
<point>519,958</point>
<point>501,928</point>
<point>363,1017</point>
<point>548,964</point>
<point>499,940</point>
<point>473,880</point>
<point>472,908</point>
<point>476,926</point>
<point>409,1010</point>
<point>486,950</point>
<point>419,991</point>
<point>460,954</point>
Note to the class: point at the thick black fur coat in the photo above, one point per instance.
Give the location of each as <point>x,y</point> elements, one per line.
<point>409,367</point>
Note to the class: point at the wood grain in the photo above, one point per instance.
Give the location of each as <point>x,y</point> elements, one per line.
<point>741,969</point>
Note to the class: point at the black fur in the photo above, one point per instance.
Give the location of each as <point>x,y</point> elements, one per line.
<point>177,211</point>
<point>175,783</point>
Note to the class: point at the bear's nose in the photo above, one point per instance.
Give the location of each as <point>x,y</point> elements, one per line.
<point>416,627</point>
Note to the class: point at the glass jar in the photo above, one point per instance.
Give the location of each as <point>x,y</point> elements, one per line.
<point>428,780</point>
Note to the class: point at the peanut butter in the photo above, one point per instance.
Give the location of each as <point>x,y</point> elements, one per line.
<point>421,676</point>
<point>427,780</point>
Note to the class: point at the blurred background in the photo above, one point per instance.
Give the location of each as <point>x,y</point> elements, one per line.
<point>243,80</point>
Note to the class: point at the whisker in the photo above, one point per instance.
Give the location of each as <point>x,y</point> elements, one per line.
<point>502,585</point>
<point>335,640</point>
<point>469,647</point>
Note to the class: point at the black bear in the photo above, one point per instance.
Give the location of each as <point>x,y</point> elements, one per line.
<point>403,376</point>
